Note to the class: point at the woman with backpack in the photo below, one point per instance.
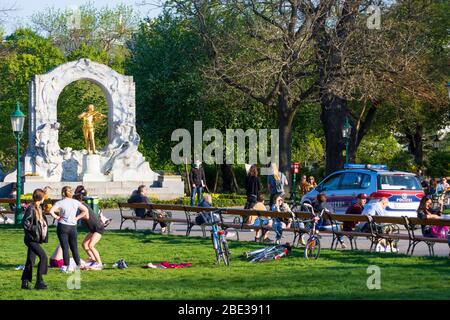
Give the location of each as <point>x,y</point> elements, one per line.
<point>36,232</point>
<point>276,183</point>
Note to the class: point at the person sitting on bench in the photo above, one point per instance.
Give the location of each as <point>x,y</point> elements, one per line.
<point>425,212</point>
<point>260,221</point>
<point>140,196</point>
<point>356,208</point>
<point>325,224</point>
<point>378,209</point>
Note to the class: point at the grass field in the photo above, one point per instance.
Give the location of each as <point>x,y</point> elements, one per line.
<point>335,275</point>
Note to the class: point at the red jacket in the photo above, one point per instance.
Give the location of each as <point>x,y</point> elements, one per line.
<point>353,209</point>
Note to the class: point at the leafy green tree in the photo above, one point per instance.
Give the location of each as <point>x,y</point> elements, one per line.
<point>27,54</point>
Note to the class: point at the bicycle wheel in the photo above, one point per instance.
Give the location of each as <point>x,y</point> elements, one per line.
<point>225,252</point>
<point>312,248</point>
<point>215,242</point>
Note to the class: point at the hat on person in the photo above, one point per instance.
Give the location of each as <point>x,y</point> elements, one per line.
<point>362,196</point>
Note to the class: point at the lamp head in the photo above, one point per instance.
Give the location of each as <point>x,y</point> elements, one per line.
<point>17,120</point>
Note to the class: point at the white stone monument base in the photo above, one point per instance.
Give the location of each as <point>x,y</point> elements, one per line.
<point>92,172</point>
<point>164,191</point>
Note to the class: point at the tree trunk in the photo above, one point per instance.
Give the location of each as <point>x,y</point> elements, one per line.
<point>360,129</point>
<point>332,118</point>
<point>227,178</point>
<point>285,118</point>
<point>415,145</point>
<point>216,180</point>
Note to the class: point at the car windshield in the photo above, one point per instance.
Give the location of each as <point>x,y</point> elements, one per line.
<point>398,182</point>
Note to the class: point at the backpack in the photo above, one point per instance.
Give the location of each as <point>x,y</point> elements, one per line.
<point>205,217</point>
<point>121,264</point>
<point>279,187</point>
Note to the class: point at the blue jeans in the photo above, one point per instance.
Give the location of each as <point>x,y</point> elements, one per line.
<point>197,190</point>
<point>260,221</point>
<point>278,228</point>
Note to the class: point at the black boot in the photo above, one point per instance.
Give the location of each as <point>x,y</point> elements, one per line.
<point>40,285</point>
<point>25,285</point>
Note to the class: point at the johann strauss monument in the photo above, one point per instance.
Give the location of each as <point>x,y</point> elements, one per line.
<point>119,167</point>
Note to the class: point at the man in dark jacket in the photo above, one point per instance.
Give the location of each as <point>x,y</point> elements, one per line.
<point>140,196</point>
<point>197,180</point>
<point>356,208</point>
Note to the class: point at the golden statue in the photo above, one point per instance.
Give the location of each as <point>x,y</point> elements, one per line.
<point>90,118</point>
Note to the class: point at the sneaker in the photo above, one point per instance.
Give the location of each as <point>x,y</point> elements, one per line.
<point>343,245</point>
<point>40,286</point>
<point>277,241</point>
<point>267,240</point>
<point>63,269</point>
<point>380,248</point>
<point>163,230</point>
<point>96,266</point>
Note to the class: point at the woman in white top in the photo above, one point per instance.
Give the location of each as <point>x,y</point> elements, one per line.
<point>67,225</point>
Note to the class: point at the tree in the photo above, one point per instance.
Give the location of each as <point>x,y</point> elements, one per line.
<point>261,49</point>
<point>28,54</point>
<point>105,28</point>
<point>167,62</point>
<point>362,69</point>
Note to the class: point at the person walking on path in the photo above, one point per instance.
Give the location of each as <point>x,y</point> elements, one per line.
<point>67,225</point>
<point>36,232</point>
<point>198,180</point>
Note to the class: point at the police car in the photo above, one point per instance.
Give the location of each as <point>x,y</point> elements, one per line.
<point>403,189</point>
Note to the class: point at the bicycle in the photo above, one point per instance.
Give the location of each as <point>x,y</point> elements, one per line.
<point>312,247</point>
<point>268,253</point>
<point>218,238</point>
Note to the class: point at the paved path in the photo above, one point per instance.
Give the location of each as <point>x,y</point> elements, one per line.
<point>247,235</point>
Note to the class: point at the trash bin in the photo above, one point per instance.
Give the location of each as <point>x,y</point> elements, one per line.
<point>93,203</point>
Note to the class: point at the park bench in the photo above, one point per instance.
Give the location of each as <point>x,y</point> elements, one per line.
<point>127,213</point>
<point>375,235</point>
<point>411,223</point>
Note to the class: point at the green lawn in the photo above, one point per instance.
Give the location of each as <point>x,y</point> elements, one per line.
<point>335,275</point>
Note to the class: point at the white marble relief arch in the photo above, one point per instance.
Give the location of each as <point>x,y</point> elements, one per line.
<point>120,159</point>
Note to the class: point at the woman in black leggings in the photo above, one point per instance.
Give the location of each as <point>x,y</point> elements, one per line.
<point>35,227</point>
<point>67,225</point>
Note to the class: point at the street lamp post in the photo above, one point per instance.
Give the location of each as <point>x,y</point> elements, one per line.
<point>346,130</point>
<point>17,122</point>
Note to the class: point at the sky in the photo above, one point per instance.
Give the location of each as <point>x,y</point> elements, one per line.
<point>25,8</point>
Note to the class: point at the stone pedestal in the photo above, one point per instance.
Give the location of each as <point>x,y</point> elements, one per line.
<point>92,172</point>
